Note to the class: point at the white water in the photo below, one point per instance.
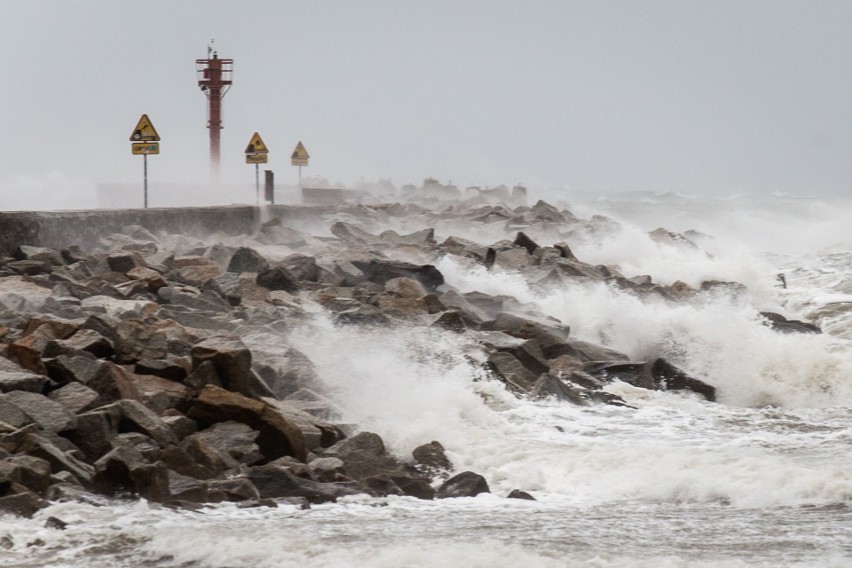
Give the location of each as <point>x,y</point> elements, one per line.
<point>762,478</point>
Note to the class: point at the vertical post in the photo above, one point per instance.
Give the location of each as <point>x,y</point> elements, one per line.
<point>145,177</point>
<point>257,183</point>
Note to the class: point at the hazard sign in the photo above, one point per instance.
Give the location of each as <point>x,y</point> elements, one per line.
<point>256,145</point>
<point>257,158</point>
<point>300,156</point>
<point>144,131</point>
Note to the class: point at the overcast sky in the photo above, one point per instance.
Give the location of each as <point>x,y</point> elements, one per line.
<point>688,96</point>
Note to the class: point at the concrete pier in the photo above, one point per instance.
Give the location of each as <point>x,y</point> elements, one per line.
<point>60,229</point>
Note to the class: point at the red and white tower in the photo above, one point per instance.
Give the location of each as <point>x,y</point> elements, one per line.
<point>214,78</point>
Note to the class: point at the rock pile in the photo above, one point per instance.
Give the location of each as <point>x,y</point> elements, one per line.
<point>154,365</point>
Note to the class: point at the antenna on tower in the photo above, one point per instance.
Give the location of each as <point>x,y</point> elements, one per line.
<point>210,48</point>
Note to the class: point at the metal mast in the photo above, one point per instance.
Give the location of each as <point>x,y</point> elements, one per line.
<point>214,78</point>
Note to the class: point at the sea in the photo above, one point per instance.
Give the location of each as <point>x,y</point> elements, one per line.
<point>762,477</point>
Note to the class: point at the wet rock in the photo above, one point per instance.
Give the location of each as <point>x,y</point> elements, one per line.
<point>24,504</point>
<point>55,523</point>
<point>172,369</point>
<point>278,436</point>
<point>451,320</point>
<point>40,447</point>
<point>22,381</point>
<point>95,432</point>
<point>380,271</point>
<point>326,469</point>
<point>278,278</point>
<point>28,471</point>
<point>465,484</point>
<point>507,368</point>
<point>85,340</point>
<point>49,415</point>
<point>160,394</point>
<point>232,361</point>
<point>783,325</point>
<point>125,262</point>
<point>75,397</point>
<point>668,377</point>
<point>432,460</point>
<point>181,461</point>
<point>187,489</point>
<point>405,288</point>
<point>238,489</point>
<point>274,482</point>
<point>518,494</point>
<point>223,446</point>
<point>247,260</point>
<point>548,386</point>
<point>522,240</point>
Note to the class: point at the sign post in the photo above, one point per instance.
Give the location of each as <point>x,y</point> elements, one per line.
<point>257,153</point>
<point>300,158</point>
<point>144,140</point>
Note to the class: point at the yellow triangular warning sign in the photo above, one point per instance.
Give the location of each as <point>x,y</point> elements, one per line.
<point>256,145</point>
<point>144,131</point>
<point>300,156</point>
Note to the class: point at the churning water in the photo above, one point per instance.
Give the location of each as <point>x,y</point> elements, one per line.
<point>761,478</point>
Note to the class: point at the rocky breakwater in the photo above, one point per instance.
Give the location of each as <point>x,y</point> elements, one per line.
<point>157,366</point>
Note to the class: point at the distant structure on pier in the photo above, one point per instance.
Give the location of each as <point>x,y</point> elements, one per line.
<point>214,78</point>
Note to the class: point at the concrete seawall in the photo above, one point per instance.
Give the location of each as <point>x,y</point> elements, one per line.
<point>60,229</point>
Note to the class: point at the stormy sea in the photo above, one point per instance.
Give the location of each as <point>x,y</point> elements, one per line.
<point>762,476</point>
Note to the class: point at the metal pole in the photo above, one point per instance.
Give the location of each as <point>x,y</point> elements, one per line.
<point>145,184</point>
<point>257,183</point>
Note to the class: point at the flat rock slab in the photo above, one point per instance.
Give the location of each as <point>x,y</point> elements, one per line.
<point>49,415</point>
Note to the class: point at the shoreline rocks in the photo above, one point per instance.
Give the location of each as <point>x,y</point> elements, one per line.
<point>154,366</point>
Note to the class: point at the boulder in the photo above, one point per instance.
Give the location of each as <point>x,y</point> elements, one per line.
<point>247,260</point>
<point>124,262</point>
<point>278,436</point>
<point>160,394</point>
<point>548,386</point>
<point>465,484</point>
<point>274,482</point>
<point>24,504</point>
<point>136,417</point>
<point>232,361</point>
<point>405,287</point>
<point>511,371</point>
<point>75,397</point>
<point>22,380</point>
<point>41,447</point>
<point>96,431</point>
<point>47,414</point>
<point>278,278</point>
<point>28,471</point>
<point>518,494</point>
<point>380,271</point>
<point>223,446</point>
<point>432,460</point>
<point>783,325</point>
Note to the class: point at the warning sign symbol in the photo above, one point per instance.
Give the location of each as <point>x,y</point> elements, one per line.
<point>256,145</point>
<point>300,156</point>
<point>144,131</point>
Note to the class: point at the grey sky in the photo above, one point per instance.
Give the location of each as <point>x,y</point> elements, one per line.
<point>714,96</point>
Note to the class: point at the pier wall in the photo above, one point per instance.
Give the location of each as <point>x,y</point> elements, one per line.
<point>60,229</point>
